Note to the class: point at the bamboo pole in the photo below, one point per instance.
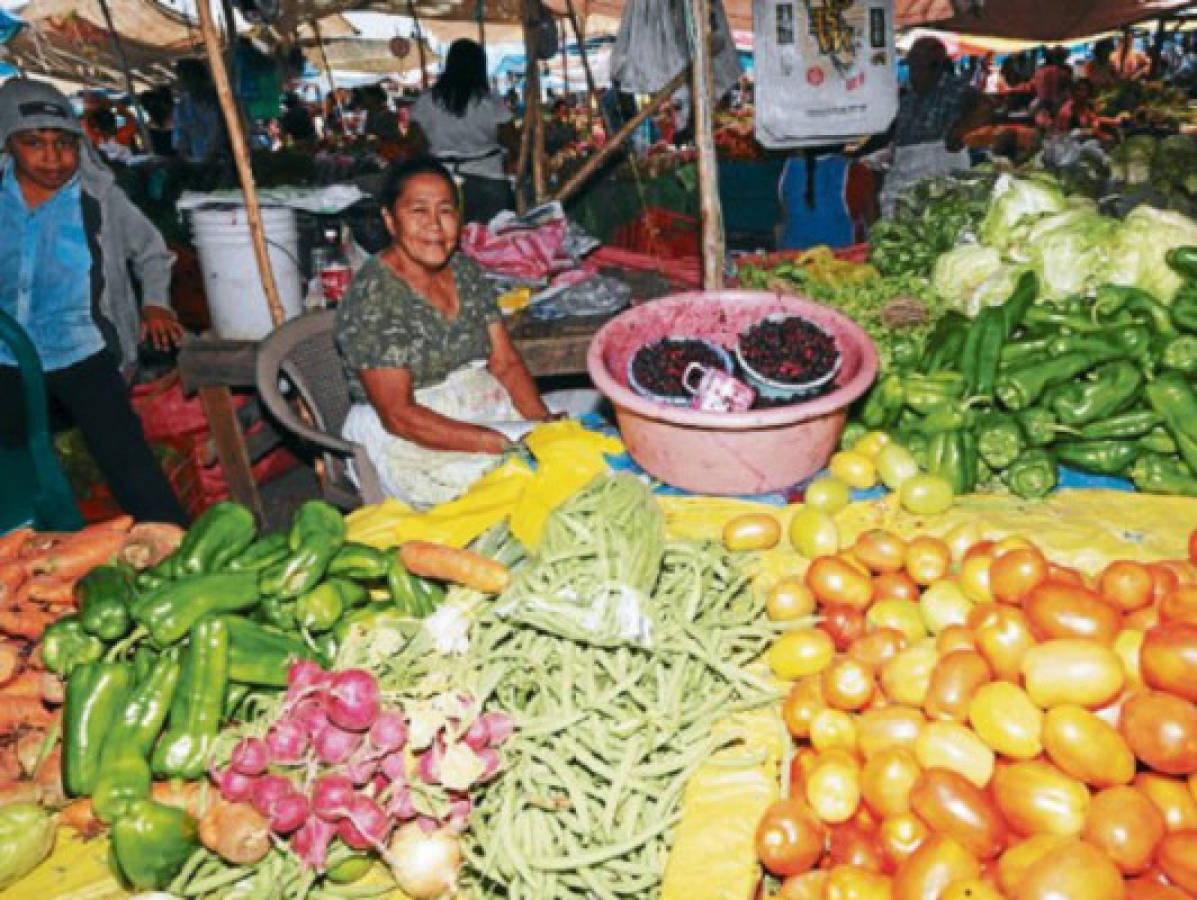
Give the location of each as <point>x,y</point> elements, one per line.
<point>411,9</point>
<point>592,91</point>
<point>245,175</point>
<point>617,140</point>
<point>124,64</point>
<point>704,137</point>
<point>521,163</point>
<point>332,85</point>
<point>564,60</point>
<point>533,119</point>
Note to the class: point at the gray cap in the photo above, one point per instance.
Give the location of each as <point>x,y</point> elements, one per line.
<point>27,105</point>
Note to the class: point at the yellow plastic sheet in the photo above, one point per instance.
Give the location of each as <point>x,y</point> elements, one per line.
<point>76,870</point>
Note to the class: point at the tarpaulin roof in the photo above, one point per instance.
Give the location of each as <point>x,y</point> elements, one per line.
<point>1033,20</point>
<point>368,55</point>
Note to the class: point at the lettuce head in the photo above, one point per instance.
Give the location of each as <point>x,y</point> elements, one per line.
<point>1068,251</point>
<point>959,274</point>
<point>1016,199</point>
<point>1138,245</point>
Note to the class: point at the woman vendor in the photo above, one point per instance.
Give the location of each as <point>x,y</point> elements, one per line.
<point>425,351</point>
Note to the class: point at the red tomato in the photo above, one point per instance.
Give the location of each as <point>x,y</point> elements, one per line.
<point>1147,888</point>
<point>852,845</point>
<point>789,839</point>
<point>886,780</point>
<point>1003,637</point>
<point>1057,610</point>
<point>1037,797</point>
<point>833,580</point>
<point>894,586</point>
<point>1168,658</point>
<point>802,703</point>
<point>807,886</point>
<point>900,836</point>
<point>950,804</point>
<point>1171,796</point>
<point>1126,826</point>
<point>1162,731</point>
<point>843,624</point>
<point>1177,856</point>
<point>954,680</point>
<point>1163,581</point>
<point>1180,606</point>
<point>1014,574</point>
<point>927,559</point>
<point>880,550</point>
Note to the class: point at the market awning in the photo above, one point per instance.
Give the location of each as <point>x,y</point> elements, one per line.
<point>1033,20</point>
<point>368,55</point>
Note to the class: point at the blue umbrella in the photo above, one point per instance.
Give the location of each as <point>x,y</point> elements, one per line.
<point>9,26</point>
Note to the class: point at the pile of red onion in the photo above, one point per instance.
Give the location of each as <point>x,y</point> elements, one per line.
<point>337,763</point>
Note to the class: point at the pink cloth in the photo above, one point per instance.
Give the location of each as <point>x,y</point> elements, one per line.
<point>518,252</point>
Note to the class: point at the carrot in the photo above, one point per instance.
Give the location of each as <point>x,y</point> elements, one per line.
<point>11,543</point>
<point>120,523</point>
<point>27,684</point>
<point>53,691</point>
<point>12,576</point>
<point>51,590</point>
<point>80,815</point>
<point>28,622</point>
<point>11,662</point>
<point>41,541</point>
<point>23,712</point>
<point>465,567</point>
<point>149,543</point>
<point>80,554</point>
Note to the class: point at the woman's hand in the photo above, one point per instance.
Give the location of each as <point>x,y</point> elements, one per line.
<point>161,326</point>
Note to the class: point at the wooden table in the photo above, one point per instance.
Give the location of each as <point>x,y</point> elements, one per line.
<point>215,367</point>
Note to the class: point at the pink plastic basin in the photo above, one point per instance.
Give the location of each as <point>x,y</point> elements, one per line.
<point>727,453</point>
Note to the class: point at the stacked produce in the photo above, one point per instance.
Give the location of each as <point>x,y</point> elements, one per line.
<point>972,720</point>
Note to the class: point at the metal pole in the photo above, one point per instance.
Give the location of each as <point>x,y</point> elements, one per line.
<point>704,137</point>
<point>124,64</point>
<point>245,175</point>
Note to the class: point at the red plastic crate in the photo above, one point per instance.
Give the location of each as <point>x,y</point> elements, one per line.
<point>660,232</point>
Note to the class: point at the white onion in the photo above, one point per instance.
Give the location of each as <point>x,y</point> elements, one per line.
<point>424,863</point>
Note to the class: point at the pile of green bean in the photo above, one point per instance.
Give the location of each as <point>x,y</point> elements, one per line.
<point>609,729</point>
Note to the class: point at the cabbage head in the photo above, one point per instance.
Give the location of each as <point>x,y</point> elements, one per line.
<point>1069,252</point>
<point>961,271</point>
<point>1015,199</point>
<point>1137,248</point>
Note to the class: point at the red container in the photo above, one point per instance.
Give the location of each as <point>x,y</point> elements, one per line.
<point>660,232</point>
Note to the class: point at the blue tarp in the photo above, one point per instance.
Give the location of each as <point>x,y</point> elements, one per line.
<point>10,25</point>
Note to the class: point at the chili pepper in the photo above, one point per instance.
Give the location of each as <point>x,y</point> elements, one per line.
<point>1019,303</point>
<point>316,535</point>
<point>982,349</point>
<point>1184,307</point>
<point>151,842</point>
<point>124,770</point>
<point>1033,474</point>
<point>1171,396</point>
<point>170,611</point>
<point>944,418</point>
<point>923,393</point>
<point>1126,341</point>
<point>319,608</point>
<point>1073,321</point>
<point>1158,440</point>
<point>218,536</point>
<point>261,554</point>
<point>1123,298</point>
<point>261,655</point>
<point>66,646</point>
<point>327,646</point>
<point>279,613</point>
<point>1039,426</point>
<point>195,714</point>
<point>916,442</point>
<point>1183,261</point>
<point>411,594</point>
<point>359,561</point>
<point>952,455</point>
<point>95,694</point>
<point>1154,473</point>
<point>1180,354</point>
<point>1019,388</point>
<point>1015,353</point>
<point>232,699</point>
<point>945,342</point>
<point>1111,388</point>
<point>904,352</point>
<point>167,569</point>
<point>999,438</point>
<point>104,595</point>
<point>1100,457</point>
<point>884,403</point>
<point>1131,424</point>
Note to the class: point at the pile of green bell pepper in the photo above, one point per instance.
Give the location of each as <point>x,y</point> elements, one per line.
<point>1106,385</point>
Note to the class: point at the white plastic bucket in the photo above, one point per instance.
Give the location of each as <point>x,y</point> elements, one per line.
<point>236,301</point>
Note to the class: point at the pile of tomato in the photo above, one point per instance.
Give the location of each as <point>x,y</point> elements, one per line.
<point>972,720</point>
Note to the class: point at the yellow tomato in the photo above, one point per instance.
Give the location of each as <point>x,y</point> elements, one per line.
<point>833,787</point>
<point>1011,542</point>
<point>943,604</point>
<point>801,652</point>
<point>888,726</point>
<point>789,599</point>
<point>1014,863</point>
<point>855,883</point>
<point>1074,870</point>
<point>925,495</point>
<point>1006,720</point>
<point>886,780</point>
<point>854,469</point>
<point>949,745</point>
<point>833,728</point>
<point>900,615</point>
<point>1128,645</point>
<point>1172,798</point>
<point>927,559</point>
<point>814,533</point>
<point>1072,670</point>
<point>956,678</point>
<point>872,443</point>
<point>937,863</point>
<point>895,465</point>
<point>1087,748</point>
<point>827,494</point>
<point>971,889</point>
<point>961,537</point>
<point>1002,635</point>
<point>974,578</point>
<point>906,677</point>
<point>1036,797</point>
<point>752,531</point>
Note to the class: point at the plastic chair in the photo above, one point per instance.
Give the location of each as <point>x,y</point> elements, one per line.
<point>33,489</point>
<point>304,353</point>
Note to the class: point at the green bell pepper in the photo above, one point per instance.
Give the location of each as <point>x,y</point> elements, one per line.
<point>999,439</point>
<point>1159,440</point>
<point>95,694</point>
<point>261,655</point>
<point>1110,457</point>
<point>1154,473</point>
<point>944,343</point>
<point>151,842</point>
<point>198,706</point>
<point>1120,341</point>
<point>1171,397</point>
<point>1017,353</point>
<point>904,352</point>
<point>104,595</point>
<point>1110,389</point>
<point>1131,424</point>
<point>1184,307</point>
<point>1180,354</point>
<point>952,455</point>
<point>1019,388</point>
<point>982,351</point>
<point>261,554</point>
<point>1141,305</point>
<point>169,612</point>
<point>1183,261</point>
<point>1039,426</point>
<point>884,403</point>
<point>278,613</point>
<point>321,607</point>
<point>411,594</point>
<point>124,768</point>
<point>167,569</point>
<point>66,646</point>
<point>359,561</point>
<point>219,535</point>
<point>1033,474</point>
<point>924,393</point>
<point>316,535</point>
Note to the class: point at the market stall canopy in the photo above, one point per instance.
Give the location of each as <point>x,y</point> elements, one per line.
<point>368,55</point>
<point>1031,20</point>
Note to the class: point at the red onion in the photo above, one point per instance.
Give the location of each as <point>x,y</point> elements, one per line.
<point>311,841</point>
<point>365,826</point>
<point>233,786</point>
<point>353,701</point>
<point>249,757</point>
<point>401,805</point>
<point>424,864</point>
<point>477,735</point>
<point>331,795</point>
<point>310,715</point>
<point>499,726</point>
<point>361,770</point>
<point>334,746</point>
<point>289,813</point>
<point>267,791</point>
<point>303,677</point>
<point>287,741</point>
<point>459,813</point>
<point>491,760</point>
<point>428,763</point>
<point>389,731</point>
<point>394,766</point>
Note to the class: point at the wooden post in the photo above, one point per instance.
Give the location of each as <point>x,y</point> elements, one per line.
<point>411,11</point>
<point>599,159</point>
<point>702,83</point>
<point>533,119</point>
<point>564,60</point>
<point>245,174</point>
<point>124,64</point>
<point>480,11</point>
<point>332,85</point>
<point>593,98</point>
